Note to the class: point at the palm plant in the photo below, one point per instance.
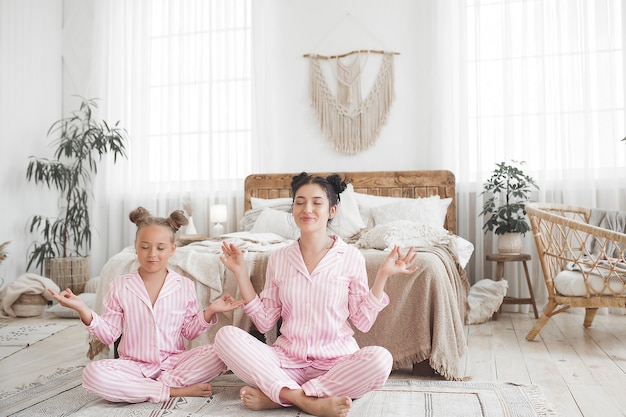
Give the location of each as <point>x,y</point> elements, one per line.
<point>81,144</point>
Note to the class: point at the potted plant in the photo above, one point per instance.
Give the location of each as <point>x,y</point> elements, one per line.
<point>80,144</point>
<point>508,190</point>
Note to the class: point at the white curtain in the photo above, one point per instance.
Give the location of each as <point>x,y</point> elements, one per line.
<point>540,81</point>
<point>178,76</point>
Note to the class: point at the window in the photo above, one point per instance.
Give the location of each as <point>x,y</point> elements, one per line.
<point>199,91</point>
<point>545,75</point>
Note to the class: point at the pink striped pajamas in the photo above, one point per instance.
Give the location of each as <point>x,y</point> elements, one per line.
<point>152,349</point>
<point>316,350</point>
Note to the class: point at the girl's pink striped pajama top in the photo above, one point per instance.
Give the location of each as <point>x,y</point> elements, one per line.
<point>152,349</point>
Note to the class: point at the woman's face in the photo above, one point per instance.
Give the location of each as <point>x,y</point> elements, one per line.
<point>311,209</point>
<point>154,247</point>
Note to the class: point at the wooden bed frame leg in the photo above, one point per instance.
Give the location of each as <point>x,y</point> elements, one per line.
<point>590,314</point>
<point>423,368</point>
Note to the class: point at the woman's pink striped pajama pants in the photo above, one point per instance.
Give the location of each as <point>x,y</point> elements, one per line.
<point>257,364</point>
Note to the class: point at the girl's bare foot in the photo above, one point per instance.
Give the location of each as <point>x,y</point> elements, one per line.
<point>197,390</point>
<point>255,399</point>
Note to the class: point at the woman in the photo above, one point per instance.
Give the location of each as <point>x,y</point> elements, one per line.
<point>315,285</point>
<point>156,308</point>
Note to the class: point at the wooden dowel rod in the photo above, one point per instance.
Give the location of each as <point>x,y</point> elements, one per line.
<point>360,51</point>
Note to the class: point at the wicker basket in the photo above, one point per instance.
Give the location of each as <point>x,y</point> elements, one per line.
<point>29,305</point>
<point>72,272</point>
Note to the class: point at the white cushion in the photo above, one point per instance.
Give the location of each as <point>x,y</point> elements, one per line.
<point>421,210</point>
<point>572,284</point>
<point>250,216</point>
<point>464,249</point>
<point>348,220</point>
<point>89,298</point>
<point>404,233</point>
<point>484,299</point>
<point>92,285</point>
<point>367,203</point>
<point>276,221</point>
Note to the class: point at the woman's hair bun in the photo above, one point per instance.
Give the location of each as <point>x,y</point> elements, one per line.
<point>338,184</point>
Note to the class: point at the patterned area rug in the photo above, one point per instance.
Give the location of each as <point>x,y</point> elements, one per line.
<point>14,337</point>
<point>62,395</point>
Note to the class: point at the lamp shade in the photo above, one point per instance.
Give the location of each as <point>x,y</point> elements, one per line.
<point>218,213</point>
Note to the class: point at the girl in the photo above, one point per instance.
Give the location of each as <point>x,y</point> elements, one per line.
<point>315,285</point>
<point>153,309</point>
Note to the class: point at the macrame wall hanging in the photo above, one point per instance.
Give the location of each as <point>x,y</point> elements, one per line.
<point>351,123</point>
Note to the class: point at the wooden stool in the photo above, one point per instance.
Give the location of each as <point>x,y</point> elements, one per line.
<point>500,259</point>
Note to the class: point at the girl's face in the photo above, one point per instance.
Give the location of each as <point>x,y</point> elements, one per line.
<point>311,209</point>
<point>154,247</point>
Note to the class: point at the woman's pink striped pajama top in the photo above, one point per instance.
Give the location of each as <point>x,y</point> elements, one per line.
<point>316,350</point>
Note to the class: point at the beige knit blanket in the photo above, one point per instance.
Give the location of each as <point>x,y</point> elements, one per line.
<point>426,313</point>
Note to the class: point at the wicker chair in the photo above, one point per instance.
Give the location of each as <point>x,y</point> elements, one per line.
<point>584,261</point>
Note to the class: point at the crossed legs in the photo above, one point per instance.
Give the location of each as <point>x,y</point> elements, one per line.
<point>318,392</point>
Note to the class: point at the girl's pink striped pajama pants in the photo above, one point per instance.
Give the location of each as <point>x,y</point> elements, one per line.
<point>122,380</point>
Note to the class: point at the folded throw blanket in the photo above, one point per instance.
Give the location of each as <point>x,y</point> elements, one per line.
<point>614,220</point>
<point>27,283</point>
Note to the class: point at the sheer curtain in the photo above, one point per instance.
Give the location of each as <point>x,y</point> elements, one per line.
<point>540,81</point>
<point>177,74</point>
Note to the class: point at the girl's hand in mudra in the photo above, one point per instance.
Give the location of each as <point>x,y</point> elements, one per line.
<point>398,263</point>
<point>68,299</point>
<point>225,303</point>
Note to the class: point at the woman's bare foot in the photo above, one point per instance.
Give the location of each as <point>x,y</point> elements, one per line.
<point>322,407</point>
<point>197,390</point>
<point>255,399</point>
<point>327,407</point>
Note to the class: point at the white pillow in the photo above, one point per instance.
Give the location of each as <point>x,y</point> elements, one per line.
<point>89,298</point>
<point>250,216</point>
<point>256,202</point>
<point>421,210</point>
<point>464,249</point>
<point>403,233</point>
<point>484,299</point>
<point>276,221</point>
<point>92,284</point>
<point>348,220</point>
<point>368,202</point>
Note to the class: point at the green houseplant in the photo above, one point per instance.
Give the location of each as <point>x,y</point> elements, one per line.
<point>507,191</point>
<point>80,144</point>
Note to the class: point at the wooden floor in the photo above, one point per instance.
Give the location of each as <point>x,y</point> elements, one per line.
<point>582,372</point>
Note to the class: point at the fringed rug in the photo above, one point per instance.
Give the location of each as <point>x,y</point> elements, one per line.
<point>62,395</point>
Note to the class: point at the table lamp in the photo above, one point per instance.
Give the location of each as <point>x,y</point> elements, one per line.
<point>218,216</point>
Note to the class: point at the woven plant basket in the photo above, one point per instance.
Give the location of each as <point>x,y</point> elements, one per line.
<point>29,305</point>
<point>72,272</point>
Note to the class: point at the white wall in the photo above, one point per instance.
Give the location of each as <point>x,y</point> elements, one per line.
<point>30,100</point>
<point>331,27</point>
<point>44,62</point>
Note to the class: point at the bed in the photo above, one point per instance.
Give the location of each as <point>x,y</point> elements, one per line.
<point>424,322</point>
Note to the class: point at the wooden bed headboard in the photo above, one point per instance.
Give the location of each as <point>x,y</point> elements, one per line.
<point>407,184</point>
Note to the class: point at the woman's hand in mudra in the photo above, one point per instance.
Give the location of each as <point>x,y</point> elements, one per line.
<point>233,259</point>
<point>398,263</point>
